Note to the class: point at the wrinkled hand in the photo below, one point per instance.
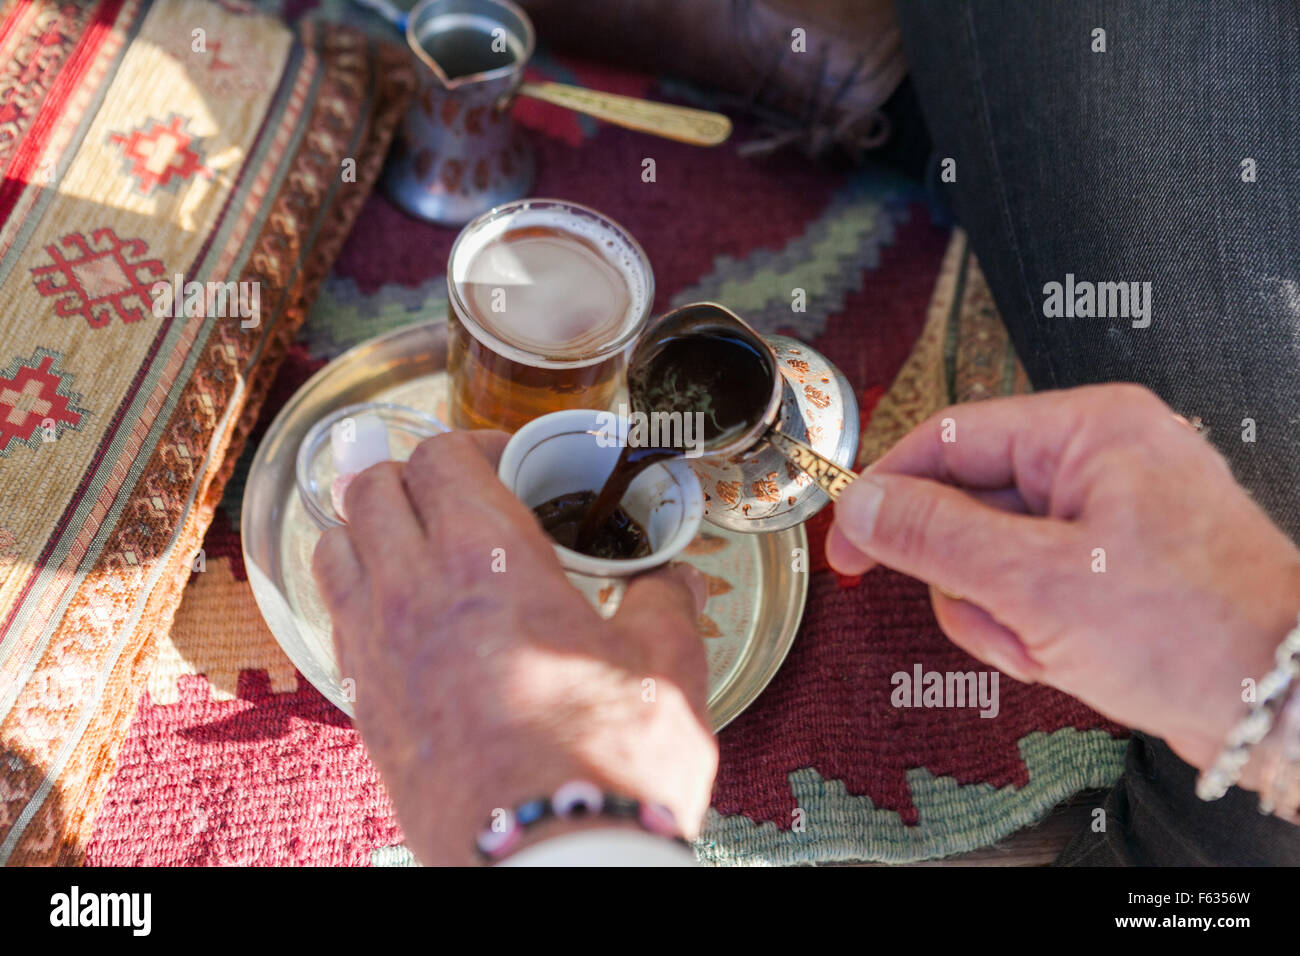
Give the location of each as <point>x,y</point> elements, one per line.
<point>479,688</point>
<point>1010,523</point>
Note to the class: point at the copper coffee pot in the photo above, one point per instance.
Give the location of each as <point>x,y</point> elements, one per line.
<point>458,153</point>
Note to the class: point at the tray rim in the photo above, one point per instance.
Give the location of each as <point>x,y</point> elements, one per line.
<point>726,704</point>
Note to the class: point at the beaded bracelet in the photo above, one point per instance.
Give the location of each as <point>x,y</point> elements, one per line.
<point>575,800</point>
<point>1272,690</point>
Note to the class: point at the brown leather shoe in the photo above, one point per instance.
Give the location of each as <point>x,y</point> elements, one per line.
<point>830,93</point>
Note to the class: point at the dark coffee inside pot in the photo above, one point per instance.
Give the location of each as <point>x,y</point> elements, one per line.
<point>688,365</point>
<point>619,537</point>
<point>715,373</point>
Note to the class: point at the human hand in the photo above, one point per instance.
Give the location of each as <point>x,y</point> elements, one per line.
<point>1010,523</point>
<point>479,688</point>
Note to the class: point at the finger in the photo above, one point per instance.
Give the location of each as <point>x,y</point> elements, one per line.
<point>452,480</point>
<point>944,537</point>
<point>659,617</point>
<point>382,526</point>
<point>343,587</point>
<point>674,595</point>
<point>1004,499</point>
<point>843,556</point>
<point>337,570</point>
<point>1017,441</point>
<point>979,634</point>
<point>846,559</point>
<point>491,443</point>
<point>696,581</point>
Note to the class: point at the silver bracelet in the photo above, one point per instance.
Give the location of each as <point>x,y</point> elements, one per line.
<point>1271,691</point>
<point>1280,792</point>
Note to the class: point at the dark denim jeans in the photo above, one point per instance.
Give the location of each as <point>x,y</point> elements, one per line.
<point>1127,166</point>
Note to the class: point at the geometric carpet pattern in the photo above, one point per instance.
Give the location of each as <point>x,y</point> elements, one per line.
<point>234,758</point>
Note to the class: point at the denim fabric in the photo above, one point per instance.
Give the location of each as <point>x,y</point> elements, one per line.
<point>1127,166</point>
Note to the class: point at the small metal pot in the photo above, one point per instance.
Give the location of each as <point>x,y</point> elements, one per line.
<point>458,152</point>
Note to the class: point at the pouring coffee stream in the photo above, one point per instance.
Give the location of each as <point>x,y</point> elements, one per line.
<point>703,360</point>
<point>692,373</point>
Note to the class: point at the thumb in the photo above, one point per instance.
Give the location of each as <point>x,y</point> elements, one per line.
<point>677,591</point>
<point>659,616</point>
<point>946,537</point>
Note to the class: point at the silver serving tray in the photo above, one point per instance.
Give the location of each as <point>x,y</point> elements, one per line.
<point>756,597</point>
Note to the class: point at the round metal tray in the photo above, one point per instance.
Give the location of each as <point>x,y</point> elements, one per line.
<point>756,598</point>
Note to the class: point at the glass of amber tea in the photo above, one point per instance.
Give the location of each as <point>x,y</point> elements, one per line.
<point>547,298</point>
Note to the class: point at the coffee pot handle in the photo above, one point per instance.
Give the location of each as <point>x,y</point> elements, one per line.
<point>686,125</point>
<point>829,476</point>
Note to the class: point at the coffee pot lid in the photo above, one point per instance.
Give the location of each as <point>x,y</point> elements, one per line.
<point>760,490</point>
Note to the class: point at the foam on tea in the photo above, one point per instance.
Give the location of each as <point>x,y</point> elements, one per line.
<point>547,291</point>
<point>545,299</point>
<point>551,283</point>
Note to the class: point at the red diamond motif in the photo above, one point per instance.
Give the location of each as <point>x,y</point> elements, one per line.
<point>159,154</point>
<point>100,278</point>
<point>33,393</point>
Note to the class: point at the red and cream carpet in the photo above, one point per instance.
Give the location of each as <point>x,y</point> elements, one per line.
<point>230,757</point>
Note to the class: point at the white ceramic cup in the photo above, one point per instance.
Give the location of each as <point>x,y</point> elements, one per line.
<point>576,450</point>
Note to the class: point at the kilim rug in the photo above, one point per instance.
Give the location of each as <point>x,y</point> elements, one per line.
<point>233,758</point>
<point>186,144</point>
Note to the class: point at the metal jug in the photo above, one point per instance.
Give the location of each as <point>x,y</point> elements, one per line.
<point>458,153</point>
